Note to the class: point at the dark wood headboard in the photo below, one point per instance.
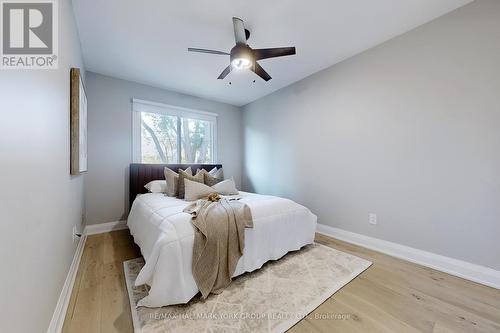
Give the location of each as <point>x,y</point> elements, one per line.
<point>141,174</point>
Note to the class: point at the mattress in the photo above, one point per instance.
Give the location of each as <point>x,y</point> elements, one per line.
<point>165,236</point>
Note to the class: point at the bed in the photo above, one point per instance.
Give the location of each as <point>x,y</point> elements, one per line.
<point>165,235</point>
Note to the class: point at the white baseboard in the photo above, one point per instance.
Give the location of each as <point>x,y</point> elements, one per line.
<point>476,273</point>
<point>56,324</point>
<point>100,228</point>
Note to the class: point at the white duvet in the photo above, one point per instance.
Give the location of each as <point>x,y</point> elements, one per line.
<point>165,236</point>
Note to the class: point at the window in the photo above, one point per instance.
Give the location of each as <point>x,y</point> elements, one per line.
<point>168,134</point>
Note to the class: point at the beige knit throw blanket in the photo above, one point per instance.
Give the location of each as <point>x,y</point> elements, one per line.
<point>219,241</point>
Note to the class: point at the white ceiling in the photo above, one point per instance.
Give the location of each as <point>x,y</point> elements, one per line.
<point>146,41</point>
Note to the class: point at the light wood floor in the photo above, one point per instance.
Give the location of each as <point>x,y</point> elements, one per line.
<point>391,296</point>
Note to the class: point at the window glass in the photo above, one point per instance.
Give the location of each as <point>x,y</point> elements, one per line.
<point>158,138</point>
<point>173,138</point>
<point>196,141</point>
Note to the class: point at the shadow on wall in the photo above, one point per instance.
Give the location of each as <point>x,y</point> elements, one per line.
<point>276,176</point>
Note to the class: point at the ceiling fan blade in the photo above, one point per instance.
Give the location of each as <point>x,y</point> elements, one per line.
<point>190,49</point>
<point>225,72</point>
<point>274,52</point>
<point>261,72</point>
<point>239,31</point>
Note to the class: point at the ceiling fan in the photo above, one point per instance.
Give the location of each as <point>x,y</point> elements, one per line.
<point>243,56</point>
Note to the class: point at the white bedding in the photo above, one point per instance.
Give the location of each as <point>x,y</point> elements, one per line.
<point>165,236</point>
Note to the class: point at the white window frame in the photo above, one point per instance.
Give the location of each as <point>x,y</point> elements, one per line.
<point>139,105</point>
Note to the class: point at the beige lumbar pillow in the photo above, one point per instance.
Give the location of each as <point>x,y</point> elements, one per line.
<point>196,190</point>
<point>172,179</point>
<point>184,175</point>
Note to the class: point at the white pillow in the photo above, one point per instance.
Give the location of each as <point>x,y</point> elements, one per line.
<point>157,186</point>
<point>217,173</point>
<point>213,171</point>
<point>195,190</point>
<point>226,187</point>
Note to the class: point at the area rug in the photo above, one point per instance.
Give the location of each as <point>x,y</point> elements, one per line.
<point>271,299</point>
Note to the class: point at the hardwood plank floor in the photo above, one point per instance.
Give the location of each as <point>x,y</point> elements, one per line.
<point>99,300</point>
<point>391,296</point>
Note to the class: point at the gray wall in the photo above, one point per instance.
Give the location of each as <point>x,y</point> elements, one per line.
<point>39,202</point>
<point>110,140</point>
<point>409,130</point>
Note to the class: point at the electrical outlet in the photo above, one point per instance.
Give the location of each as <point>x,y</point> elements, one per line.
<point>372,218</point>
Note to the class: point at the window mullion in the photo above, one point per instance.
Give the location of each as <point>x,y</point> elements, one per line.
<point>179,146</point>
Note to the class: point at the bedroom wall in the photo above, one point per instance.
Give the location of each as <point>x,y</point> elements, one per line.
<point>110,140</point>
<point>40,202</point>
<point>408,130</point>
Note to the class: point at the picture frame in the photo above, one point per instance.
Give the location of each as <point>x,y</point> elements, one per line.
<point>78,123</point>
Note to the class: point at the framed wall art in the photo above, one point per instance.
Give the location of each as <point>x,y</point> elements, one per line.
<point>78,124</point>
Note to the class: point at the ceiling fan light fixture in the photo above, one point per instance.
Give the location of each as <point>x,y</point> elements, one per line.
<point>242,57</point>
<point>241,63</point>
